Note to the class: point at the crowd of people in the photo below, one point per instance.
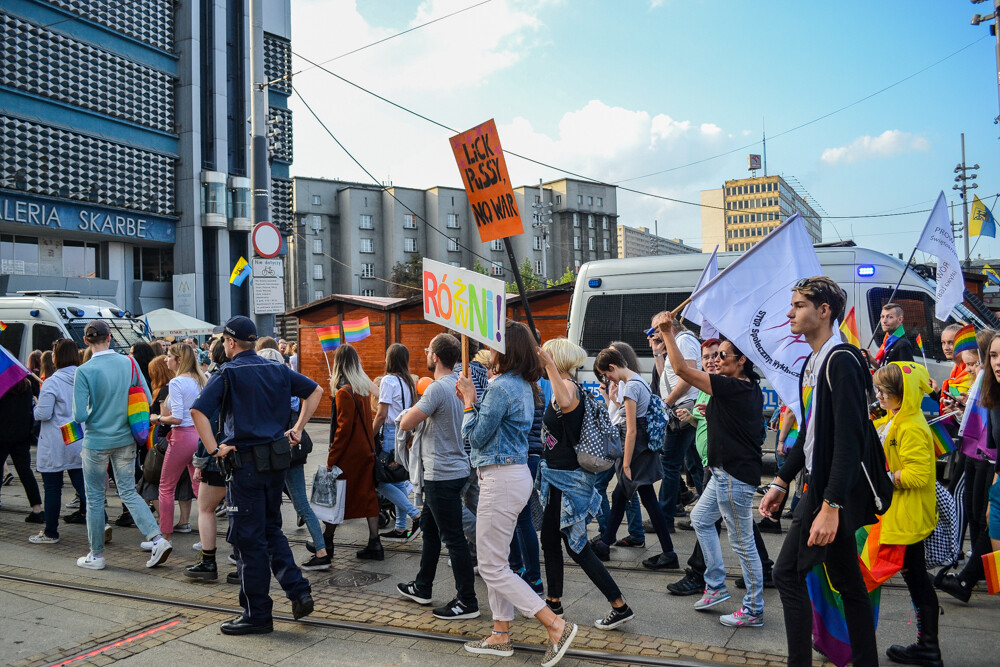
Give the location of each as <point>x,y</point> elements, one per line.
<point>493,471</point>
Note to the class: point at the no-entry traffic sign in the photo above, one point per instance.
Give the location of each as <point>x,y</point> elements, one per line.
<point>266,239</point>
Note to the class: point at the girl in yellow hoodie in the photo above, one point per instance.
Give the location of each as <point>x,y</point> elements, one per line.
<point>909,451</point>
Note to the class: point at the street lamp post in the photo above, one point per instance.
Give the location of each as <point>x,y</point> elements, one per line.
<point>961,184</point>
<point>543,219</point>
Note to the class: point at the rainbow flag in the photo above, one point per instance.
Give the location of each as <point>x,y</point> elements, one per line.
<point>355,330</point>
<point>240,272</point>
<point>71,432</point>
<point>11,371</point>
<point>972,431</point>
<point>991,566</point>
<point>920,344</point>
<point>830,634</point>
<point>879,562</point>
<point>329,338</point>
<point>3,327</point>
<point>888,342</point>
<point>965,340</point>
<point>943,442</point>
<point>849,327</point>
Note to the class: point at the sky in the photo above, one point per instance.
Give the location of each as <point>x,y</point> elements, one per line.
<point>647,94</point>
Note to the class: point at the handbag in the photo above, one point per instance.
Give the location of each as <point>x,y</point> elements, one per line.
<point>329,495</point>
<point>599,444</point>
<point>941,546</point>
<point>152,464</point>
<point>138,407</point>
<point>385,470</point>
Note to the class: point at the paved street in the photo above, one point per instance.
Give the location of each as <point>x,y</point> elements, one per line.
<point>45,625</point>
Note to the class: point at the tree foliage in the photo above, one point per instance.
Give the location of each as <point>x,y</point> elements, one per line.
<point>406,278</point>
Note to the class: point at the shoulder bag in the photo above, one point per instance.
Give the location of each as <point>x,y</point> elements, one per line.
<point>386,470</point>
<point>600,442</point>
<point>138,407</point>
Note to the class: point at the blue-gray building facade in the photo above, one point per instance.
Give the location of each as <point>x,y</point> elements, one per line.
<point>125,158</point>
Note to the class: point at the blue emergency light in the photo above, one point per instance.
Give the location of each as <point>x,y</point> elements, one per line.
<point>866,270</point>
<point>594,282</point>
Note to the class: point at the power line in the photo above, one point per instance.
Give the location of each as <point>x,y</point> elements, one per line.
<point>572,173</point>
<point>380,41</point>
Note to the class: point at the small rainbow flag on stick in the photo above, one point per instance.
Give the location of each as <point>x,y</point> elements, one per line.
<point>3,327</point>
<point>991,566</point>
<point>943,442</point>
<point>965,340</point>
<point>355,330</point>
<point>920,344</point>
<point>71,432</point>
<point>849,327</point>
<point>329,338</point>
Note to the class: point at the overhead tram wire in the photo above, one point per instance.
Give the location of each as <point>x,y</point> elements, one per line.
<point>811,122</point>
<point>385,189</point>
<point>590,179</point>
<point>377,42</point>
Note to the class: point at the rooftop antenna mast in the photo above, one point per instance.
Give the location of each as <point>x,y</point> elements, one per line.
<point>763,131</point>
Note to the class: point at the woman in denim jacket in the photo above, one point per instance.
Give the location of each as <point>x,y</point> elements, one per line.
<point>497,428</point>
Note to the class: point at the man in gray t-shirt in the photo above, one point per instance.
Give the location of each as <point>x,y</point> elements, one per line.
<point>445,470</point>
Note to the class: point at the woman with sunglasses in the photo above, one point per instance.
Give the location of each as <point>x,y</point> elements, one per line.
<point>734,417</point>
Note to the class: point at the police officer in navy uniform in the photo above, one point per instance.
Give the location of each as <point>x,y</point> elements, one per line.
<point>254,396</point>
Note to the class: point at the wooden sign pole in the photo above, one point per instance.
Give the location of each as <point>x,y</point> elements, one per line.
<point>520,287</point>
<point>465,355</point>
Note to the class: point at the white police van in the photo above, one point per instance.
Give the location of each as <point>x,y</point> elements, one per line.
<point>616,299</point>
<point>35,319</point>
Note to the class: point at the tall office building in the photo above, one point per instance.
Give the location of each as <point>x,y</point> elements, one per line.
<point>349,236</point>
<point>125,148</point>
<point>745,210</point>
<point>638,242</point>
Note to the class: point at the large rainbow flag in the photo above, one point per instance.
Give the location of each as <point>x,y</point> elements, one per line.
<point>329,338</point>
<point>830,635</point>
<point>355,330</point>
<point>879,562</point>
<point>11,371</point>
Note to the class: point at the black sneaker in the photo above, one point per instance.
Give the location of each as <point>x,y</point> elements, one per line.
<point>203,569</point>
<point>394,534</point>
<point>125,520</point>
<point>410,591</point>
<point>34,517</point>
<point>556,607</point>
<point>691,584</point>
<point>300,521</point>
<point>662,562</point>
<point>766,525</point>
<point>233,578</point>
<point>602,550</point>
<point>457,610</point>
<point>317,563</point>
<point>414,529</point>
<point>615,618</point>
<point>75,517</point>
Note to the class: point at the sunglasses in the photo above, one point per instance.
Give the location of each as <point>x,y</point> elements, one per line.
<point>722,356</point>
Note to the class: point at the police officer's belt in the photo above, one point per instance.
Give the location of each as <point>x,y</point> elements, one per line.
<point>269,457</point>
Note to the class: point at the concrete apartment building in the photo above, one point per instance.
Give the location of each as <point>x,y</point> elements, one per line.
<point>745,210</point>
<point>348,236</point>
<point>638,242</point>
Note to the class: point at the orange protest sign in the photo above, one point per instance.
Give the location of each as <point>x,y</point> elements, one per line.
<point>484,172</point>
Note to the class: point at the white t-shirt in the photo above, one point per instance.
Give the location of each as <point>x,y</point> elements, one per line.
<point>691,350</point>
<point>617,412</point>
<point>809,379</point>
<point>392,391</point>
<point>182,392</point>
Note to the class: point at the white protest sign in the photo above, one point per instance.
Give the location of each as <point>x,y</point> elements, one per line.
<point>467,302</point>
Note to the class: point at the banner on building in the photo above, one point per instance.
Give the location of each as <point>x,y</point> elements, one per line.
<point>484,173</point>
<point>466,302</point>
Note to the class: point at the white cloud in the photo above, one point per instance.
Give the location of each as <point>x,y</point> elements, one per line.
<point>653,4</point>
<point>887,144</point>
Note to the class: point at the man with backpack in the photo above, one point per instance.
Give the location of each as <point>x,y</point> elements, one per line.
<point>835,435</point>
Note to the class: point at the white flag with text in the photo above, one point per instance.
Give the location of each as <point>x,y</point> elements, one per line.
<point>750,300</point>
<point>938,240</point>
<point>691,312</point>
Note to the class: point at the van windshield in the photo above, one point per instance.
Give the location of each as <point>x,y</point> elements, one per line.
<point>124,333</point>
<point>625,317</point>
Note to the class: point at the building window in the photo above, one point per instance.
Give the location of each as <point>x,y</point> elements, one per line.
<point>604,223</point>
<point>600,201</point>
<point>317,222</point>
<point>558,199</point>
<point>453,220</point>
<point>367,245</point>
<point>317,246</point>
<point>453,244</point>
<point>367,292</point>
<point>576,220</point>
<point>367,270</point>
<point>317,272</point>
<point>366,221</point>
<point>576,243</point>
<point>80,260</point>
<point>538,199</point>
<point>457,265</point>
<point>496,244</point>
<point>579,199</point>
<point>538,243</point>
<point>538,267</point>
<point>317,200</point>
<point>590,243</point>
<point>576,266</point>
<point>408,222</point>
<point>590,221</point>
<point>590,201</point>
<point>317,295</point>
<point>409,245</point>
<point>607,245</point>
<point>497,268</point>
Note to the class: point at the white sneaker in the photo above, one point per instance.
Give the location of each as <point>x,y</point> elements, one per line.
<point>182,528</point>
<point>146,546</point>
<point>196,546</point>
<point>73,504</point>
<point>91,562</point>
<point>107,533</point>
<point>161,549</point>
<point>42,538</point>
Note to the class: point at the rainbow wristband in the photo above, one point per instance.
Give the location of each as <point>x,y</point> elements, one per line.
<point>470,409</point>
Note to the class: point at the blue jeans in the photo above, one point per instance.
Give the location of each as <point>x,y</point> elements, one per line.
<point>731,499</point>
<point>53,484</point>
<point>95,466</point>
<point>524,546</point>
<point>295,484</point>
<point>675,448</point>
<point>399,495</point>
<point>632,510</point>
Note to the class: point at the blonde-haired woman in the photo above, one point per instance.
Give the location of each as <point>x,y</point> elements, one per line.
<point>182,440</point>
<point>353,446</point>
